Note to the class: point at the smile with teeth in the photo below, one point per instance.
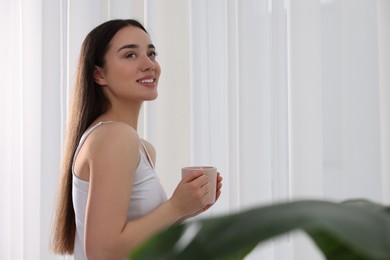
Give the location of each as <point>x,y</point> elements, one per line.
<point>146,81</point>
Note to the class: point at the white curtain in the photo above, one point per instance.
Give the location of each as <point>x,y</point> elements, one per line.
<point>289,99</point>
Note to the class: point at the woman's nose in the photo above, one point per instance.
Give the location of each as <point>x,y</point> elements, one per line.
<point>148,64</point>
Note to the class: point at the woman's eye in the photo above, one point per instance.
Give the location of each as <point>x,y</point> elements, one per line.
<point>130,55</point>
<point>152,54</point>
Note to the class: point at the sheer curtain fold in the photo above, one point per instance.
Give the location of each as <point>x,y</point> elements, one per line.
<point>289,99</point>
<point>31,117</point>
<point>383,9</point>
<point>305,104</point>
<point>22,130</point>
<point>10,148</point>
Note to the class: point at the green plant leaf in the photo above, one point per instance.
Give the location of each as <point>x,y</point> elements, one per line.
<point>352,230</point>
<point>160,246</point>
<point>332,247</point>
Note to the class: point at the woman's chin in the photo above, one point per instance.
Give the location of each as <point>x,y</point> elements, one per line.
<point>151,97</point>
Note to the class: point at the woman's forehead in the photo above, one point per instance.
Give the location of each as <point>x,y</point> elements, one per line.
<point>130,35</point>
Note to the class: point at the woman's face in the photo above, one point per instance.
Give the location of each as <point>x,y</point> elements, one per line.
<point>131,71</point>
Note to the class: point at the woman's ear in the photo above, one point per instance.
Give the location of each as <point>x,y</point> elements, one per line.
<point>99,76</point>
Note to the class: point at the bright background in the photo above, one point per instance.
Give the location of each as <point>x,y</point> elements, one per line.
<point>289,99</point>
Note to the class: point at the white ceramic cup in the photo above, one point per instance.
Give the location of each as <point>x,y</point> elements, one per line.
<point>211,172</point>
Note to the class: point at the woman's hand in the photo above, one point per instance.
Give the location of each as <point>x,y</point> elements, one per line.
<point>191,194</point>
<point>217,195</point>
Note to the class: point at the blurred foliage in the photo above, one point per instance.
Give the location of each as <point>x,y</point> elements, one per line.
<point>355,229</point>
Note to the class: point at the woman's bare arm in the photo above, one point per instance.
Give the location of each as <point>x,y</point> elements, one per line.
<point>112,154</point>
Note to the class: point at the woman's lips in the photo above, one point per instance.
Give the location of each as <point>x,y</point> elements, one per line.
<point>147,82</point>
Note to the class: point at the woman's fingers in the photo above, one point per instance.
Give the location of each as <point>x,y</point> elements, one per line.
<point>191,195</point>
<point>195,193</point>
<point>219,186</point>
<point>191,176</point>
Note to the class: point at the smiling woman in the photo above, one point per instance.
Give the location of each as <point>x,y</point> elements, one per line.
<point>129,62</point>
<point>110,197</point>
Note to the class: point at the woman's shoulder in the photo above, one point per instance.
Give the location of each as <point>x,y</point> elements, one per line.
<point>107,141</point>
<point>112,134</point>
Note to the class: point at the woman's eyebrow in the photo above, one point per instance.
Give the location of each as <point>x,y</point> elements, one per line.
<point>134,46</point>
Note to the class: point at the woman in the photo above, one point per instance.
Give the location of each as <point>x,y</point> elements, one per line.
<point>110,198</point>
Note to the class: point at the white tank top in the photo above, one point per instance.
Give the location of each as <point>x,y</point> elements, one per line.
<point>147,194</point>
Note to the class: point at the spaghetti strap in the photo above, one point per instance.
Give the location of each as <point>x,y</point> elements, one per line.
<point>147,154</point>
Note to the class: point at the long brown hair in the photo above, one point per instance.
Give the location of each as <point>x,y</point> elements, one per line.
<point>88,102</point>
